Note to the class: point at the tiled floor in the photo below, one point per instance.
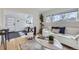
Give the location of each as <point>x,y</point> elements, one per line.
<point>33,45</point>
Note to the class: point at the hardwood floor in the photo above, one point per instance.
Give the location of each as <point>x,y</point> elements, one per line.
<point>27,45</point>
<point>33,45</point>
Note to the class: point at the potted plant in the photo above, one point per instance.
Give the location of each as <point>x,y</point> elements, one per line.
<point>41,24</point>
<point>51,39</point>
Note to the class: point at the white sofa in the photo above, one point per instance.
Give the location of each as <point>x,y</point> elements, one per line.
<point>68,40</point>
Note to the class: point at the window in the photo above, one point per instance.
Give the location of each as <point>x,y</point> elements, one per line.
<point>57,18</point>
<point>64,16</point>
<point>71,15</point>
<point>29,20</point>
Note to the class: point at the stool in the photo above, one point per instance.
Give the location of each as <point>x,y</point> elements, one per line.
<point>4,36</point>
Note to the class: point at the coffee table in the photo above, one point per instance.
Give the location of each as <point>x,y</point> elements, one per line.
<point>45,44</point>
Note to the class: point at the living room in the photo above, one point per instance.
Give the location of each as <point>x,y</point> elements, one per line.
<point>61,23</point>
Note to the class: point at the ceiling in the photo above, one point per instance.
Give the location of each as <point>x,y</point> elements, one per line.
<point>29,9</point>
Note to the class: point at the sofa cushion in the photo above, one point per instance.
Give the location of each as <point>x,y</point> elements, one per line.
<point>62,30</point>
<point>72,31</point>
<point>55,31</point>
<point>58,30</point>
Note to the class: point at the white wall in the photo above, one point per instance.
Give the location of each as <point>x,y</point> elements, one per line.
<point>32,12</point>
<point>71,25</point>
<point>1,18</point>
